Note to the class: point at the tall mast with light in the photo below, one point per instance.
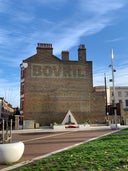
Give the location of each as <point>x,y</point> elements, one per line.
<point>113,85</point>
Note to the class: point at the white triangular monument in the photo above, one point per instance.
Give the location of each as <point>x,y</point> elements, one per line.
<point>69,119</point>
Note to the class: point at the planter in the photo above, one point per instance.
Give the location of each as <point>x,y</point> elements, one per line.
<point>11,152</point>
<point>114,126</point>
<point>84,126</point>
<point>58,127</point>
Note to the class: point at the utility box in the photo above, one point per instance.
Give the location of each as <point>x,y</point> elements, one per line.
<point>28,124</point>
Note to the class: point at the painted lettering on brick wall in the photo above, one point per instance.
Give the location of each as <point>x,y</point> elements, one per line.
<point>57,71</point>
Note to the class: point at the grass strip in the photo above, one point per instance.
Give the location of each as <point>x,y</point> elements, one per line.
<point>104,154</point>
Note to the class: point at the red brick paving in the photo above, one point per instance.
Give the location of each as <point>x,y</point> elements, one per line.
<point>41,143</point>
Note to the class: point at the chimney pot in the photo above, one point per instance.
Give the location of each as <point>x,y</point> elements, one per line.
<point>65,55</point>
<point>82,46</point>
<point>82,53</point>
<point>44,48</point>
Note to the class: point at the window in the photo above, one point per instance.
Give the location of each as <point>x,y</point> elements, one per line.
<point>22,88</point>
<point>120,101</point>
<point>126,93</point>
<point>112,101</point>
<point>22,72</point>
<point>119,94</point>
<point>126,103</point>
<point>22,104</point>
<point>112,94</point>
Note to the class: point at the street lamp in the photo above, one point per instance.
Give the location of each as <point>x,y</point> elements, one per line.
<point>113,85</point>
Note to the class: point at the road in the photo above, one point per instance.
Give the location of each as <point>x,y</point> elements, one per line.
<point>42,144</point>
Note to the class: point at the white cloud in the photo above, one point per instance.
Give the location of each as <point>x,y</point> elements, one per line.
<point>101,7</point>
<point>117,39</point>
<point>120,77</point>
<point>3,37</point>
<point>72,35</point>
<point>24,30</point>
<point>67,32</point>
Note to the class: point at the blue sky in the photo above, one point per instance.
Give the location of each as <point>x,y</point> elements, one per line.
<point>99,24</point>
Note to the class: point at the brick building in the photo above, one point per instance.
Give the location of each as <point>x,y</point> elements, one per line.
<point>6,108</point>
<point>51,86</point>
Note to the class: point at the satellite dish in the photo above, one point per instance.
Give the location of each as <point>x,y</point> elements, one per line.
<point>25,65</point>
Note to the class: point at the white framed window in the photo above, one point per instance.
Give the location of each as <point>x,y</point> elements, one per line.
<point>119,94</point>
<point>126,93</point>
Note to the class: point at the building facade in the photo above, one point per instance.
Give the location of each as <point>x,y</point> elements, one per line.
<point>51,86</point>
<point>6,109</point>
<point>121,100</point>
<point>121,94</point>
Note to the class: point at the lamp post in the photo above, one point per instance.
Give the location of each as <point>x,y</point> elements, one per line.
<point>106,99</point>
<point>113,85</point>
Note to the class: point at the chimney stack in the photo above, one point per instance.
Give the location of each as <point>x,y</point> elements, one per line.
<point>82,53</point>
<point>45,48</point>
<point>65,55</point>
